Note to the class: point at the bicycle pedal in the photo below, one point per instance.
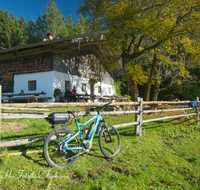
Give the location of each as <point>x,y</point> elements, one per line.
<point>86,150</point>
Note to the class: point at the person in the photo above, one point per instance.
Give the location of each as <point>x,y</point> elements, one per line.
<point>74,92</point>
<point>67,95</point>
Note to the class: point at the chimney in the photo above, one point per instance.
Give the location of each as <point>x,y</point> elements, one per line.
<point>49,36</point>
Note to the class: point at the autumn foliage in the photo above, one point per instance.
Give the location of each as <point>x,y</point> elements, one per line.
<point>150,36</point>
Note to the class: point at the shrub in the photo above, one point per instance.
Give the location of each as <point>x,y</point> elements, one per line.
<point>57,92</point>
<point>127,96</point>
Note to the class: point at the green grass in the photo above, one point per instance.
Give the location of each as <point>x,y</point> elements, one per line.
<point>165,157</point>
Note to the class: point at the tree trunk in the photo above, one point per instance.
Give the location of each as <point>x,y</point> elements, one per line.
<point>156,91</point>
<point>136,91</point>
<point>125,64</point>
<point>132,90</point>
<point>148,87</point>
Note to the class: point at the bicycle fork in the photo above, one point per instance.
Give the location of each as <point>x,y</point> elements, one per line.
<point>108,138</point>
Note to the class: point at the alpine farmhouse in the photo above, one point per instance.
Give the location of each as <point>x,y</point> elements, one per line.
<point>61,63</point>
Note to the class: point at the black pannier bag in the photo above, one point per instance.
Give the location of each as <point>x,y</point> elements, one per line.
<point>58,118</point>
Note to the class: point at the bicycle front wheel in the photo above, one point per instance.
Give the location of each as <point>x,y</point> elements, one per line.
<point>109,141</point>
<point>54,152</point>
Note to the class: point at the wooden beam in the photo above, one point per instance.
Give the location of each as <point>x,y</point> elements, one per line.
<point>27,52</point>
<point>73,46</point>
<point>62,104</point>
<point>43,115</point>
<point>28,109</point>
<point>24,115</point>
<point>23,153</point>
<point>170,117</point>
<point>21,142</point>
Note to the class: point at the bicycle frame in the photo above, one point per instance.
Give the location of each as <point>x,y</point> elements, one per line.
<point>98,119</point>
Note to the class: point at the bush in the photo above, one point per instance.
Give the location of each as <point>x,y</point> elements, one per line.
<point>57,92</point>
<point>127,96</point>
<point>118,85</point>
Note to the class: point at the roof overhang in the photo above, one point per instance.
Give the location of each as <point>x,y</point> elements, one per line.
<point>62,44</point>
<point>84,38</point>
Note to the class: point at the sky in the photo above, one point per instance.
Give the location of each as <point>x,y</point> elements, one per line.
<point>33,8</point>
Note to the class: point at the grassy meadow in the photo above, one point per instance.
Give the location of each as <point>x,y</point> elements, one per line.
<point>167,156</point>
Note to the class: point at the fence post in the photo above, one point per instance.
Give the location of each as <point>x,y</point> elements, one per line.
<point>138,117</point>
<point>197,112</point>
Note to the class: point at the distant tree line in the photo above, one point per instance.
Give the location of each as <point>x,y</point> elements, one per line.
<point>15,31</point>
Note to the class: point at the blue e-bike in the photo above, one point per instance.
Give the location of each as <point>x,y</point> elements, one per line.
<point>63,146</point>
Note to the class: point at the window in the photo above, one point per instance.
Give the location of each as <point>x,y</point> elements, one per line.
<point>32,85</point>
<point>109,90</point>
<point>83,87</point>
<point>67,85</point>
<point>99,89</point>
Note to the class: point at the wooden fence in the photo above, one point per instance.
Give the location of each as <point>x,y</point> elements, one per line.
<point>140,121</point>
<point>139,105</point>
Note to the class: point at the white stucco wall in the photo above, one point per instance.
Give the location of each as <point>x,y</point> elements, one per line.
<point>44,82</point>
<point>48,81</point>
<point>60,78</point>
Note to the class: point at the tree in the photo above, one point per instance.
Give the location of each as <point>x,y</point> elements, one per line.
<point>169,72</point>
<point>136,74</point>
<point>5,33</point>
<point>83,25</point>
<point>70,26</point>
<point>13,31</point>
<point>53,19</point>
<point>22,29</point>
<point>132,23</point>
<point>31,32</point>
<point>173,64</point>
<point>40,28</point>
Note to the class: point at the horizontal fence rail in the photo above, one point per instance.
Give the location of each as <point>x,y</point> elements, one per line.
<point>164,118</point>
<point>43,115</point>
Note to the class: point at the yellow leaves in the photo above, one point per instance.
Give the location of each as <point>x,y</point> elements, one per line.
<point>136,74</point>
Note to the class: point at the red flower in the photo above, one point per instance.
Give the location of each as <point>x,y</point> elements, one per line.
<point>93,80</point>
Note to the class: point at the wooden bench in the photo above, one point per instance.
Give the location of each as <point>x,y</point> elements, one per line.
<point>44,98</point>
<point>28,98</point>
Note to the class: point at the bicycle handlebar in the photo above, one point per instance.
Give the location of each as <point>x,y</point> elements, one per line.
<point>101,107</point>
<point>98,108</point>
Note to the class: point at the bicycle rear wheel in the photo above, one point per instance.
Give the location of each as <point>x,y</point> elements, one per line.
<point>55,154</point>
<point>109,141</point>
